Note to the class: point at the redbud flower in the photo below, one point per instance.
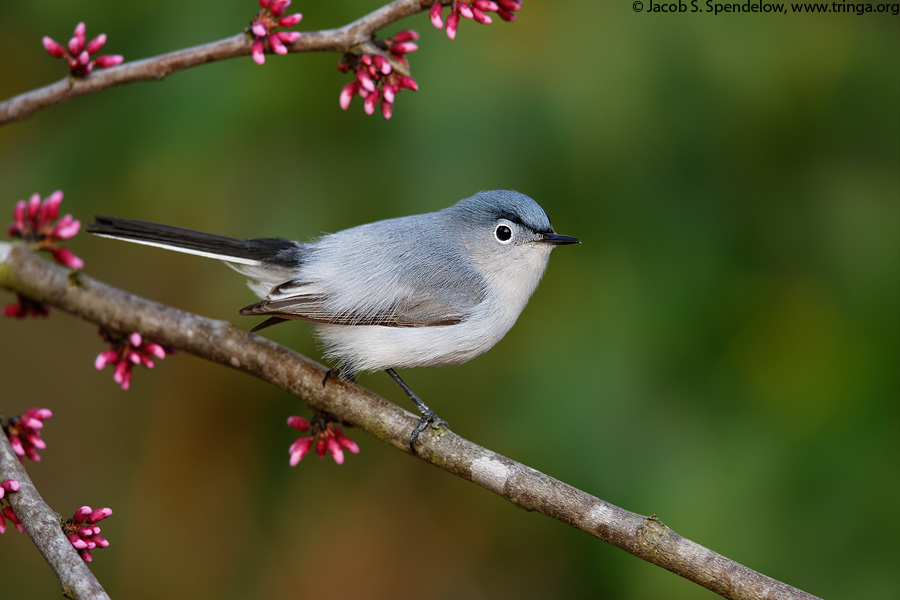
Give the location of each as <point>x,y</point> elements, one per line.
<point>78,52</point>
<point>472,9</point>
<point>83,533</point>
<point>6,512</point>
<point>25,307</point>
<point>9,514</point>
<point>266,20</point>
<point>127,352</point>
<point>10,485</point>
<point>375,78</point>
<point>325,437</point>
<point>35,221</point>
<point>24,433</point>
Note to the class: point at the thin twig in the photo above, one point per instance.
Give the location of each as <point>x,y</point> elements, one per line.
<point>645,537</point>
<point>343,39</point>
<point>42,525</point>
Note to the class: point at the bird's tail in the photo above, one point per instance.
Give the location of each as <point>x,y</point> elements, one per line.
<point>267,252</point>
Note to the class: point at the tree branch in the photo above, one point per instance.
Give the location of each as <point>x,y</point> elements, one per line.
<point>220,342</point>
<point>42,525</point>
<point>343,39</point>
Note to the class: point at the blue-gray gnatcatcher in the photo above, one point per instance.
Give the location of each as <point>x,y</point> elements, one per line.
<point>418,291</point>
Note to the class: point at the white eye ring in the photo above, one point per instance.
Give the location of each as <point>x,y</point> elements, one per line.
<point>503,233</point>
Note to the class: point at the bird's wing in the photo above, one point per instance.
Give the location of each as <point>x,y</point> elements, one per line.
<point>421,309</point>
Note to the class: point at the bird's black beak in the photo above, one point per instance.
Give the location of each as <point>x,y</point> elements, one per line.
<point>557,239</point>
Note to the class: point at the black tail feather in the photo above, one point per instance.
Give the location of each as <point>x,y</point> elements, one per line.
<point>270,250</point>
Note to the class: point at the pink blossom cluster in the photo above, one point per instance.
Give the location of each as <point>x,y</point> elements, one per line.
<point>83,532</point>
<point>36,221</point>
<point>24,433</point>
<point>10,485</point>
<point>325,436</point>
<point>125,353</point>
<point>25,307</point>
<point>78,52</point>
<point>375,78</point>
<point>268,18</point>
<point>472,9</point>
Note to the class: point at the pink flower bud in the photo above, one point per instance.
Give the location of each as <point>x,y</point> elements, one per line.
<point>99,515</point>
<point>382,64</point>
<point>77,542</point>
<point>387,109</point>
<point>101,541</point>
<point>53,48</point>
<point>256,51</point>
<point>50,207</point>
<point>135,339</point>
<point>407,35</point>
<point>290,20</point>
<point>370,101</point>
<point>276,45</point>
<point>288,37</point>
<point>404,48</point>
<point>278,7</point>
<point>409,83</point>
<point>31,423</point>
<point>19,214</point>
<point>13,310</point>
<point>34,206</point>
<point>464,10</point>
<point>109,60</point>
<point>82,514</point>
<point>10,485</point>
<point>39,413</point>
<point>510,4</point>
<point>435,15</point>
<point>259,30</point>
<point>104,358</point>
<point>481,17</point>
<point>75,46</point>
<point>67,258</point>
<point>362,76</point>
<point>485,5</point>
<point>334,448</point>
<point>298,423</point>
<point>347,94</point>
<point>299,449</point>
<point>95,44</point>
<point>35,440</point>
<point>16,444</point>
<point>389,92</point>
<point>122,367</point>
<point>264,3</point>
<point>452,24</point>
<point>348,444</point>
<point>66,227</point>
<point>155,349</point>
<point>506,15</point>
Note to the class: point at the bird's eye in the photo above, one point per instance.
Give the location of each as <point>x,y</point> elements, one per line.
<point>503,233</point>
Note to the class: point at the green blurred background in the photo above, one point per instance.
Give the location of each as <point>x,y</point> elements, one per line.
<point>723,347</point>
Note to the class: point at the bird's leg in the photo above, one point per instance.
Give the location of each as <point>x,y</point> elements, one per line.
<point>427,417</point>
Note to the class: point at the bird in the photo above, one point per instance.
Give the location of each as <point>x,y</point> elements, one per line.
<point>425,290</point>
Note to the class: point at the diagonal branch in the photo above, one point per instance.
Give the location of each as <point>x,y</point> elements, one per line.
<point>645,537</point>
<point>342,39</point>
<point>42,525</point>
